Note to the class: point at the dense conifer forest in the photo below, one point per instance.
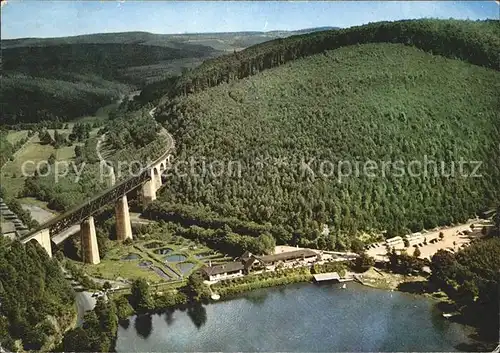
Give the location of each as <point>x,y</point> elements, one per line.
<point>36,300</point>
<point>378,101</point>
<point>476,42</point>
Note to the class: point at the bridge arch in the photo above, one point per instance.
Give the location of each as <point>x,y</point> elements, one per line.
<point>43,238</point>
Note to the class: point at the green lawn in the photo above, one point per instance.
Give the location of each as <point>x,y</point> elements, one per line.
<point>32,154</point>
<point>15,136</point>
<point>12,172</point>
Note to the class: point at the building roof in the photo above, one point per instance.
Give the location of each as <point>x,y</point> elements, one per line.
<point>289,255</point>
<point>326,276</point>
<point>224,268</point>
<point>246,255</point>
<point>396,238</point>
<point>8,227</point>
<point>414,235</point>
<point>248,262</point>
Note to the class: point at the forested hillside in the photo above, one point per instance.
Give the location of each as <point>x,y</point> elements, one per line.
<point>36,300</point>
<point>378,102</point>
<point>46,78</point>
<point>28,99</point>
<point>475,42</point>
<point>106,60</point>
<point>65,81</point>
<point>224,41</point>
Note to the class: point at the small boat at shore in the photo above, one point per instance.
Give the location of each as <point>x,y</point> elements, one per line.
<point>344,286</point>
<point>447,315</point>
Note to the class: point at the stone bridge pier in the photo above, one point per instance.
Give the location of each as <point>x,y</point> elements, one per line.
<point>66,225</point>
<point>90,250</point>
<point>43,238</point>
<point>150,187</point>
<point>122,216</point>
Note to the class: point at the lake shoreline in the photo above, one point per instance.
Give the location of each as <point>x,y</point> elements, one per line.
<point>420,286</point>
<point>293,306</point>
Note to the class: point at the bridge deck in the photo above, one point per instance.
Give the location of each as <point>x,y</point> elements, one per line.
<point>81,212</point>
<point>90,207</point>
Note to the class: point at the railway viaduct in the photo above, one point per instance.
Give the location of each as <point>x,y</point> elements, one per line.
<point>149,179</point>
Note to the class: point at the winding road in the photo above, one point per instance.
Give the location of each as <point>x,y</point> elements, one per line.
<point>84,303</point>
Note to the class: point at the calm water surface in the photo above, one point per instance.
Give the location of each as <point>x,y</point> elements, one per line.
<point>298,318</point>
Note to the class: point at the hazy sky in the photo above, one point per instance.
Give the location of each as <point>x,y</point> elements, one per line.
<point>33,18</point>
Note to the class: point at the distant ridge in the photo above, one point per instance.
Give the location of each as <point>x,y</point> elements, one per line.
<point>70,76</point>
<point>473,41</point>
<point>147,38</point>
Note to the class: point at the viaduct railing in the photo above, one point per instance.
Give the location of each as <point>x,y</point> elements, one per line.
<point>92,206</point>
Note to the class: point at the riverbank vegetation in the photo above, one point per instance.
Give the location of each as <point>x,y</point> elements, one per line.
<point>275,278</point>
<point>471,279</point>
<point>194,291</point>
<point>263,280</point>
<point>98,332</point>
<point>37,302</point>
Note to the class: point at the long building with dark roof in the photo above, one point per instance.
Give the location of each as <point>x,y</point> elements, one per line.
<point>248,261</point>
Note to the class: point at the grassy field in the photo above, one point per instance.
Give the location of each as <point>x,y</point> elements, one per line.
<point>33,151</point>
<point>15,136</point>
<point>12,172</point>
<point>101,115</point>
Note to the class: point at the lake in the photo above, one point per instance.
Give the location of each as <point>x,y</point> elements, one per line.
<point>298,318</point>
